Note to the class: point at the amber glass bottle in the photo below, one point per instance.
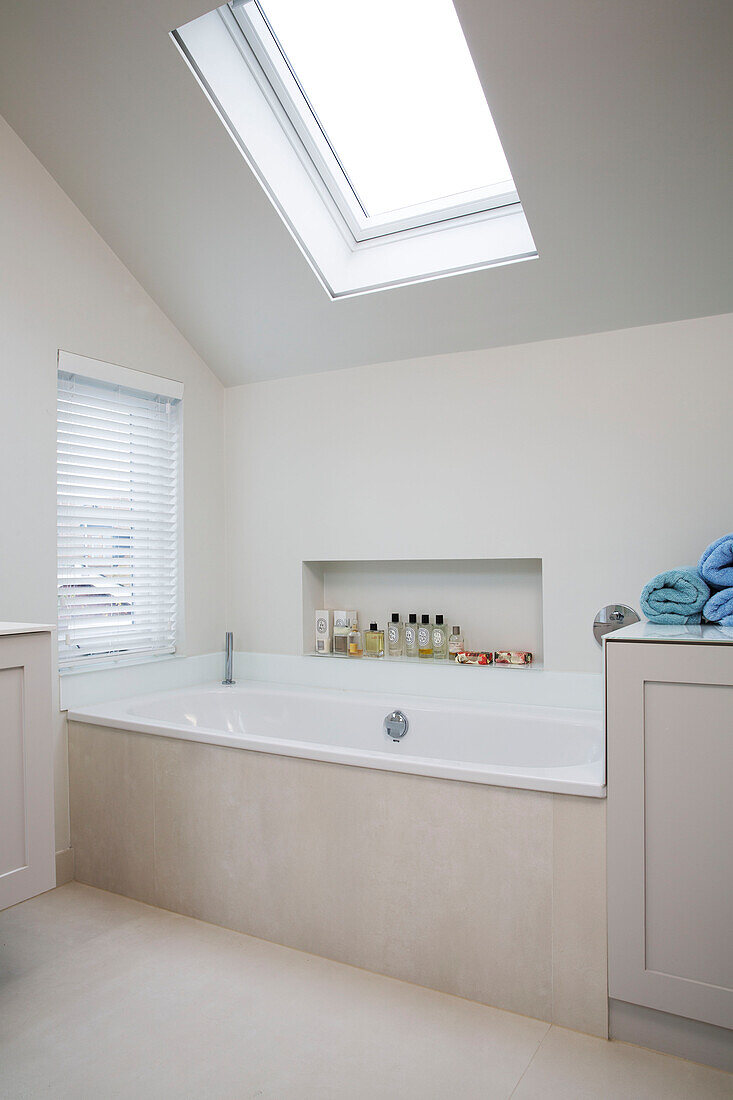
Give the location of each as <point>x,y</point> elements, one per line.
<point>373,641</point>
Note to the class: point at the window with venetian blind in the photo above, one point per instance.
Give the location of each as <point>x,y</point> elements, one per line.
<point>118,485</point>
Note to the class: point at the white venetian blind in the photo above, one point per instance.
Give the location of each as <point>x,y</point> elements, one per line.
<point>118,490</point>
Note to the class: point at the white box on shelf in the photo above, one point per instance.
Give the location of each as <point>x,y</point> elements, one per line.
<point>324,631</point>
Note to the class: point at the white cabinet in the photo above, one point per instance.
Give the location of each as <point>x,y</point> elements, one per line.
<point>670,822</point>
<point>26,763</point>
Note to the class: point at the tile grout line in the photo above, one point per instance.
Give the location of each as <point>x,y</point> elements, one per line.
<point>527,1068</point>
<point>155,822</point>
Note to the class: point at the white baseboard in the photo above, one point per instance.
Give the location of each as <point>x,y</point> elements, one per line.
<point>64,866</point>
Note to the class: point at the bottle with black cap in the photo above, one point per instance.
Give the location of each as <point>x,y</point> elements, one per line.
<point>440,640</point>
<point>395,636</point>
<point>425,638</point>
<point>411,636</point>
<point>373,641</point>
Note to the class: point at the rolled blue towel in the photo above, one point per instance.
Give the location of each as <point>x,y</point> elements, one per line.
<point>719,608</point>
<point>677,596</point>
<point>716,563</point>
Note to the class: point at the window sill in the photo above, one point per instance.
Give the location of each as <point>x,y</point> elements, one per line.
<point>110,664</point>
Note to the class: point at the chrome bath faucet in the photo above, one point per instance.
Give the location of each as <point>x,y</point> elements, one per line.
<point>228,657</point>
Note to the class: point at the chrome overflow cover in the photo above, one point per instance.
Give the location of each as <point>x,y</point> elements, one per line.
<point>396,725</point>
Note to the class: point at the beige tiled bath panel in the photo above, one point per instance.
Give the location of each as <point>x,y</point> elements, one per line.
<point>464,888</point>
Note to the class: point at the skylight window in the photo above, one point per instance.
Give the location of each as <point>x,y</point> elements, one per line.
<point>397,96</point>
<point>368,129</point>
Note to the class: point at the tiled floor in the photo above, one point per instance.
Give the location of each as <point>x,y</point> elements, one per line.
<point>104,997</point>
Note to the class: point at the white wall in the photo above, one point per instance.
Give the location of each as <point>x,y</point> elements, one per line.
<point>609,456</point>
<point>62,287</point>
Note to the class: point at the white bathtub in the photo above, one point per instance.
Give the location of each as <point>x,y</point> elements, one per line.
<point>507,745</point>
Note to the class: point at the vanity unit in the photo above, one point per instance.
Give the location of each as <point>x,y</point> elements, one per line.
<point>27,860</point>
<point>669,698</point>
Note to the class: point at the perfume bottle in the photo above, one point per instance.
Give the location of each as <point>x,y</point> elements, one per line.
<point>395,636</point>
<point>455,643</point>
<point>424,638</point>
<point>440,640</point>
<point>373,641</point>
<point>411,636</point>
<point>342,621</point>
<point>356,648</point>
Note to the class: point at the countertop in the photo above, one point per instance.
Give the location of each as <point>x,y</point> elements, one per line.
<point>707,633</point>
<point>25,628</point>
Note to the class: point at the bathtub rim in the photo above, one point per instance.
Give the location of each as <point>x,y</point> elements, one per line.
<point>585,780</point>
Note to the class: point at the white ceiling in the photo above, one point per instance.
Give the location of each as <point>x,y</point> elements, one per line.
<point>615,116</point>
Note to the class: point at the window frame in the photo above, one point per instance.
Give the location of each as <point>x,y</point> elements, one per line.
<point>111,374</point>
<point>263,53</point>
<point>216,53</point>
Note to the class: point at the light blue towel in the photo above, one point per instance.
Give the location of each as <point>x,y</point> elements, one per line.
<point>716,564</point>
<point>677,596</point>
<point>719,608</point>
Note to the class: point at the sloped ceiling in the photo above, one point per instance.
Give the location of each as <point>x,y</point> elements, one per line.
<point>616,119</point>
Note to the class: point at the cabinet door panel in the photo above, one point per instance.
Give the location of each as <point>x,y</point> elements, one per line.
<point>688,768</point>
<point>26,768</point>
<point>670,827</point>
<point>13,838</point>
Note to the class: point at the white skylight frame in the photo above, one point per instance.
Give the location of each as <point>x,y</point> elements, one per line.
<point>268,54</point>
<point>251,87</point>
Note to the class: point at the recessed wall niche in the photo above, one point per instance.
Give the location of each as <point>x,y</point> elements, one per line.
<point>497,602</point>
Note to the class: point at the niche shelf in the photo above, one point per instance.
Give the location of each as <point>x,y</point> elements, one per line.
<point>497,602</point>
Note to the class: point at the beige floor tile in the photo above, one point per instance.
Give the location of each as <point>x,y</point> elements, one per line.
<point>570,1066</point>
<point>162,1005</point>
<point>39,930</point>
<point>132,1001</point>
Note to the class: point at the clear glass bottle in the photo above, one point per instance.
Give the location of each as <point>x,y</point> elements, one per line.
<point>455,643</point>
<point>425,638</point>
<point>373,641</point>
<point>411,636</point>
<point>356,649</point>
<point>395,637</point>
<point>440,640</point>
